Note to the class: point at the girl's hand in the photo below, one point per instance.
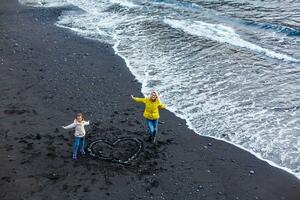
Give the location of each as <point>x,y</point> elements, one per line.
<point>132,96</point>
<point>63,127</point>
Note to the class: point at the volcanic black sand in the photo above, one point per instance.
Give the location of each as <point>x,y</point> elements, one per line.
<point>48,74</point>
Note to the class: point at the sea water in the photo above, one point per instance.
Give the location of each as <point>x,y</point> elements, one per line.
<point>231,69</point>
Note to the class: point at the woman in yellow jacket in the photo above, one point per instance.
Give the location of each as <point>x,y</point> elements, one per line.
<point>151,113</point>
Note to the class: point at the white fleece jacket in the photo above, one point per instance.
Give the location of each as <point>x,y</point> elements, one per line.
<point>79,127</point>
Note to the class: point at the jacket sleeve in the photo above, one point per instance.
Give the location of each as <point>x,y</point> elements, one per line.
<point>86,122</point>
<point>69,126</point>
<point>162,106</point>
<point>139,100</point>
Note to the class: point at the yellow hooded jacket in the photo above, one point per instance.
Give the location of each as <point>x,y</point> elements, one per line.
<point>151,108</point>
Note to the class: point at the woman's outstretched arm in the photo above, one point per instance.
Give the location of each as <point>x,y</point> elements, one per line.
<point>162,106</point>
<point>139,100</point>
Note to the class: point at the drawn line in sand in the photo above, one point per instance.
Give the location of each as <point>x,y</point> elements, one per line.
<point>92,149</point>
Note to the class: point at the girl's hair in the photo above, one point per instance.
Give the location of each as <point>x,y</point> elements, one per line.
<point>78,115</point>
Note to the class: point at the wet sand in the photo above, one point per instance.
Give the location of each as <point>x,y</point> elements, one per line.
<point>48,74</point>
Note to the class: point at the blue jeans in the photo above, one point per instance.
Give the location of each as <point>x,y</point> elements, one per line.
<point>152,127</point>
<point>78,143</point>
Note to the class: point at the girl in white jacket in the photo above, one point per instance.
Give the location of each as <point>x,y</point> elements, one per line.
<point>79,141</point>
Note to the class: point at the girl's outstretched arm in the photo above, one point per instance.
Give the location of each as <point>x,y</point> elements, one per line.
<point>86,122</point>
<point>139,100</point>
<point>69,126</point>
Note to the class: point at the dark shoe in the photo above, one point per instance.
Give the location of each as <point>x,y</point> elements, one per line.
<point>150,139</point>
<point>82,152</point>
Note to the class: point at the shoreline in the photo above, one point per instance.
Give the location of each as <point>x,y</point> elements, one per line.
<point>189,125</point>
<point>52,68</point>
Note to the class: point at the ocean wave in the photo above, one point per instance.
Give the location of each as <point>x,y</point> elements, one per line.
<point>289,31</point>
<point>223,34</point>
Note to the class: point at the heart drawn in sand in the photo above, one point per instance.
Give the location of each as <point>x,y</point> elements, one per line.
<point>122,151</point>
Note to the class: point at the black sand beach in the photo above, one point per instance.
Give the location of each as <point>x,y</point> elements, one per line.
<point>48,74</point>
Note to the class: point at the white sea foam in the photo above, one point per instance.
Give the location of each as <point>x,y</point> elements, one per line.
<point>223,34</point>
<point>45,3</point>
<point>125,3</point>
